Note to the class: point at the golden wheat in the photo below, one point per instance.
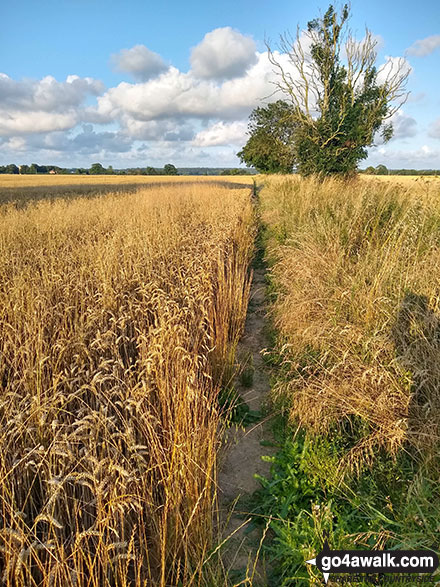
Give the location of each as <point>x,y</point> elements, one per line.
<point>21,190</point>
<point>18,181</point>
<point>119,317</point>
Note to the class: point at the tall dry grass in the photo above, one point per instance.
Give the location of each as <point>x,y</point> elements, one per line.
<point>357,271</point>
<point>118,319</point>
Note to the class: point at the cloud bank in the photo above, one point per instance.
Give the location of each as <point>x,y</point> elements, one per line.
<point>46,105</point>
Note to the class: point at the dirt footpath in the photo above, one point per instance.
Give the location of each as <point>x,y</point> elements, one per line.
<point>242,459</point>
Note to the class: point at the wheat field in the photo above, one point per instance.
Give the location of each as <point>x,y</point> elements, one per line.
<point>119,316</point>
<point>403,180</point>
<point>20,190</point>
<point>17,181</point>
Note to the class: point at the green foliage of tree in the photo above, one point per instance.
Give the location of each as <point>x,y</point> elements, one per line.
<point>381,170</point>
<point>151,171</point>
<point>269,147</point>
<point>97,169</point>
<point>11,168</point>
<point>338,104</point>
<point>169,169</point>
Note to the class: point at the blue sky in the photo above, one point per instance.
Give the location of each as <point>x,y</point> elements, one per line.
<point>134,82</point>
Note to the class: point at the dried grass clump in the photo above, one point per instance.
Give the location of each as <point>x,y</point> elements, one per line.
<point>357,268</point>
<point>119,317</point>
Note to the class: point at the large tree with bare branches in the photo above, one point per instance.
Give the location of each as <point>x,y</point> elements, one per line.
<point>339,100</point>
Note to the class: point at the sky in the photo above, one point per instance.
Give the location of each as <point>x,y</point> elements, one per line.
<point>139,83</point>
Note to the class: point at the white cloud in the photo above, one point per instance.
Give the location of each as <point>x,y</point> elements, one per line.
<point>182,95</point>
<point>434,129</point>
<point>354,44</point>
<point>379,40</point>
<point>425,46</point>
<point>169,94</point>
<point>35,122</point>
<point>224,53</point>
<point>46,94</point>
<point>90,141</point>
<point>86,142</point>
<point>221,133</point>
<point>15,144</point>
<point>45,105</point>
<point>140,62</point>
<point>418,97</point>
<point>157,130</point>
<point>404,126</point>
<point>393,66</point>
<point>424,157</point>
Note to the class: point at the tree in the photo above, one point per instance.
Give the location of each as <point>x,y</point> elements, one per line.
<point>381,170</point>
<point>151,171</point>
<point>97,169</point>
<point>169,169</point>
<point>269,148</point>
<point>337,105</point>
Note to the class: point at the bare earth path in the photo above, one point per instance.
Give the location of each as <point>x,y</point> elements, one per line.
<point>243,456</point>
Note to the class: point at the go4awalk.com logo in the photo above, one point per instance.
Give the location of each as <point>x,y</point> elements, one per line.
<point>374,561</point>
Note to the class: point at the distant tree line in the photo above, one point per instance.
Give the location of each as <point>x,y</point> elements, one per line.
<point>216,171</point>
<point>235,171</point>
<point>31,169</point>
<point>383,170</point>
<point>12,169</point>
<point>99,169</point>
<point>168,169</point>
<point>95,169</point>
